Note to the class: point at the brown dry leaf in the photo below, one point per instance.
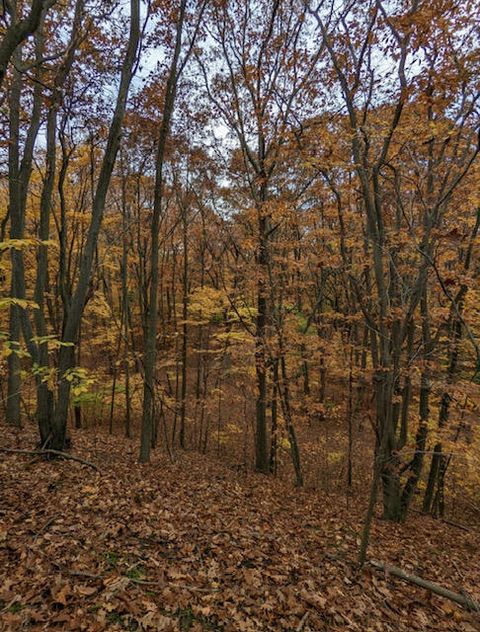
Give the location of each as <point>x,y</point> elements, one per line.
<point>114,585</point>
<point>314,599</point>
<point>60,594</point>
<point>89,489</point>
<point>62,617</point>
<point>155,621</point>
<point>85,591</point>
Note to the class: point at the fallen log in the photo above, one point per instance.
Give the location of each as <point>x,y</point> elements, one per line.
<point>62,455</point>
<point>461,598</point>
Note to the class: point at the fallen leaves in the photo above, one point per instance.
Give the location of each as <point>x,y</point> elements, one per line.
<point>60,594</point>
<point>189,547</point>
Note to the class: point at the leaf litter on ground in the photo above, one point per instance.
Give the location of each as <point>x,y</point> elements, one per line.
<point>194,545</point>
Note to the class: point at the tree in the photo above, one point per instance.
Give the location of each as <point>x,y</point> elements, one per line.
<point>75,311</point>
<point>152,306</point>
<point>265,72</point>
<point>373,142</point>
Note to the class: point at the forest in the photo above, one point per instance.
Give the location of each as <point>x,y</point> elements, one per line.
<point>240,315</point>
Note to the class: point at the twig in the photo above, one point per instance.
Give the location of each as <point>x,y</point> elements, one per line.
<point>303,621</point>
<point>459,571</point>
<point>197,588</point>
<point>45,526</point>
<point>472,506</point>
<point>82,574</point>
<point>9,604</point>
<point>141,582</point>
<point>456,524</point>
<point>146,582</point>
<point>58,453</point>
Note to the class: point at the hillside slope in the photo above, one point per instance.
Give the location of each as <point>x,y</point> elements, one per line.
<point>197,546</point>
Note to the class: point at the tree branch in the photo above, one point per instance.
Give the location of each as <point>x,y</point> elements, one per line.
<point>62,455</point>
<point>461,598</point>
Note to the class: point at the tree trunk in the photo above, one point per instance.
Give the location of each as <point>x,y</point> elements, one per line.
<point>75,312</point>
<point>149,357</point>
<point>261,452</point>
<point>183,393</point>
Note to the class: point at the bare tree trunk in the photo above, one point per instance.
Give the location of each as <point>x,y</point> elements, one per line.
<point>274,418</point>
<point>261,455</point>
<point>183,393</point>
<point>75,313</point>
<point>124,322</point>
<point>350,423</point>
<point>150,354</point>
<point>45,396</point>
<point>19,177</point>
<point>407,388</point>
<point>438,466</point>
<point>416,464</point>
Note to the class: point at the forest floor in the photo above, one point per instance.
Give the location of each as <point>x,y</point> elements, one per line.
<point>195,545</point>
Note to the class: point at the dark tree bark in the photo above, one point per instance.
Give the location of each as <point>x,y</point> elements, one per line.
<point>75,312</point>
<point>149,358</point>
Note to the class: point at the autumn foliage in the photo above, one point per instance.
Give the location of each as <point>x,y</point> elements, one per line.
<point>239,241</point>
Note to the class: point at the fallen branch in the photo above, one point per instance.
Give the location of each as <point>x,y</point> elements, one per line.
<point>461,598</point>
<point>62,455</point>
<point>456,524</point>
<point>163,583</point>
<point>449,522</point>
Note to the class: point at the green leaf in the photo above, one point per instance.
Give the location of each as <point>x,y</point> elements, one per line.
<point>20,302</point>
